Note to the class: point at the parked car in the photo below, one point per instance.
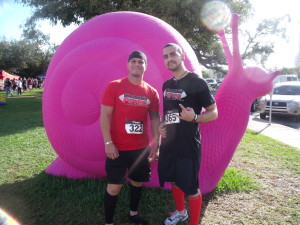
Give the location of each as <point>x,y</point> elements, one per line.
<point>210,81</point>
<point>285,78</point>
<point>285,100</point>
<point>254,105</point>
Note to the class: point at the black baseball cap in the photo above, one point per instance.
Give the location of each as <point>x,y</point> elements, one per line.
<point>138,54</point>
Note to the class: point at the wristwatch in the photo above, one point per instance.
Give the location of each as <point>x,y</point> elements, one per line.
<point>108,142</point>
<point>195,118</point>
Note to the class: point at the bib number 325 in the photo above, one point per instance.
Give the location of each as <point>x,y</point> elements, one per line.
<point>134,127</point>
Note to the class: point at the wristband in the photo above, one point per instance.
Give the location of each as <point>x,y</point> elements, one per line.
<point>108,142</point>
<point>195,118</point>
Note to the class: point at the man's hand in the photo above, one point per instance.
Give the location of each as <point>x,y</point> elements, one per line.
<point>154,153</point>
<point>186,114</point>
<point>111,151</point>
<point>162,130</point>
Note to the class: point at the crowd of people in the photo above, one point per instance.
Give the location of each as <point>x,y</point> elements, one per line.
<point>22,85</point>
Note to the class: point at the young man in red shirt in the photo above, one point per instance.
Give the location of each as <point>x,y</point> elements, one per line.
<point>125,106</point>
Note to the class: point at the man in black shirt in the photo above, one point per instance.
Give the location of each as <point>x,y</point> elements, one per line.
<point>184,96</point>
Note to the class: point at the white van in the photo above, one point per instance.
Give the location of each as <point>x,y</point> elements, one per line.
<point>285,78</point>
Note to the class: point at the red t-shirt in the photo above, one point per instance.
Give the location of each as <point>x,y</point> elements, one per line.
<point>131,106</point>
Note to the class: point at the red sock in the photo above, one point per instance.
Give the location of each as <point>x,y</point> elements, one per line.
<point>195,208</point>
<point>178,195</point>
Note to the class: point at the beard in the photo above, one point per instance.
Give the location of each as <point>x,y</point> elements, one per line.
<point>174,66</point>
<point>137,74</point>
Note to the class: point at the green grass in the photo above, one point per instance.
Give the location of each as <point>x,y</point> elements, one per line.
<point>262,148</point>
<point>36,198</point>
<point>235,180</point>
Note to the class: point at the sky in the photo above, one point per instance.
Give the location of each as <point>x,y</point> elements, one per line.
<point>13,15</point>
<point>285,50</point>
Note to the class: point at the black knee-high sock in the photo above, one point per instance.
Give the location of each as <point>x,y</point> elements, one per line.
<point>110,203</point>
<point>135,196</point>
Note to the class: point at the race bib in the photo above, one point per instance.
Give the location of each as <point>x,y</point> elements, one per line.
<point>172,117</point>
<point>134,127</point>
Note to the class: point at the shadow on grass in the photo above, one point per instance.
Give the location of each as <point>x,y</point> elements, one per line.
<point>47,200</point>
<point>21,114</point>
<point>206,200</point>
<point>50,200</point>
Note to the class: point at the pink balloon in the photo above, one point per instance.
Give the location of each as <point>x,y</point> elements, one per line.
<point>92,56</point>
<point>97,53</point>
<point>239,89</point>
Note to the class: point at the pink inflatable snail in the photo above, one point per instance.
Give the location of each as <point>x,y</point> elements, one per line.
<point>96,53</point>
<point>239,89</point>
<point>87,60</point>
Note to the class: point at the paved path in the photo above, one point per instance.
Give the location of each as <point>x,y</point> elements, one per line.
<point>276,131</point>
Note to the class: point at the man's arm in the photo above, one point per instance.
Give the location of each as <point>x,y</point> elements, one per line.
<point>210,114</point>
<point>155,121</point>
<point>188,114</point>
<point>105,119</point>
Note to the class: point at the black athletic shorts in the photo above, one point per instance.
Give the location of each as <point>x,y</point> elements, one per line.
<point>183,172</point>
<point>134,162</point>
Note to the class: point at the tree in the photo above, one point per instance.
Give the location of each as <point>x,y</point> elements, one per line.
<point>205,74</point>
<point>23,58</point>
<point>27,57</point>
<point>288,71</point>
<point>33,35</point>
<point>259,47</point>
<point>183,15</point>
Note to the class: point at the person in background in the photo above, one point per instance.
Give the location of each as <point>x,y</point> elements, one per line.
<point>14,84</point>
<point>8,87</point>
<point>24,84</point>
<point>185,94</point>
<point>29,83</point>
<point>125,105</point>
<point>42,83</point>
<point>19,86</point>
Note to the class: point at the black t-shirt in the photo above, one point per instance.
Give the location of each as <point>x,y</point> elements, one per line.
<point>7,83</point>
<point>183,138</point>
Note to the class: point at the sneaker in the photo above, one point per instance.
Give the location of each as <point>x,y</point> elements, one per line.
<point>137,220</point>
<point>176,217</point>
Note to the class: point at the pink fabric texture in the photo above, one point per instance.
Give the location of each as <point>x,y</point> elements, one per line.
<point>96,53</point>
<point>239,89</point>
<point>83,65</point>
